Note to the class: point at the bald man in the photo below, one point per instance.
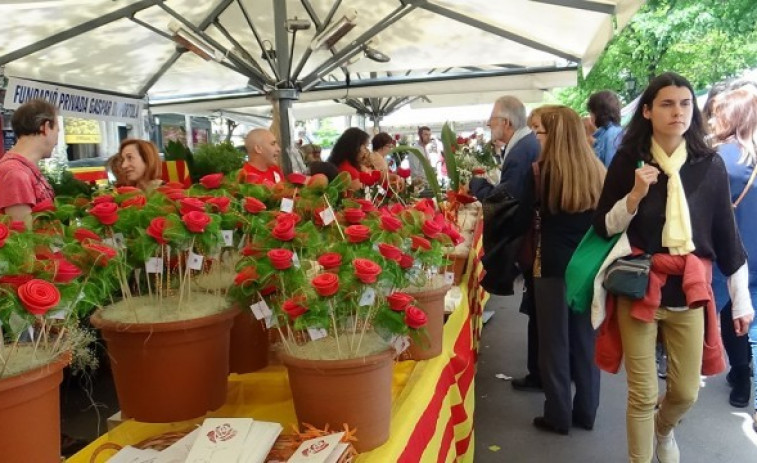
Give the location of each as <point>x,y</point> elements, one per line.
<point>263,152</point>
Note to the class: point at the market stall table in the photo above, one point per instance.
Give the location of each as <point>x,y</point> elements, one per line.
<point>433,400</point>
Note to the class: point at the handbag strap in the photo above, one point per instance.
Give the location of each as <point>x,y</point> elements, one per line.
<point>746,188</point>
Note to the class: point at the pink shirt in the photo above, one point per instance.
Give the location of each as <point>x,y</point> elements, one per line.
<point>22,182</point>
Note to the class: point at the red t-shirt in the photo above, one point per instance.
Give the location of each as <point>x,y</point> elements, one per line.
<point>345,166</point>
<point>22,182</point>
<point>254,175</point>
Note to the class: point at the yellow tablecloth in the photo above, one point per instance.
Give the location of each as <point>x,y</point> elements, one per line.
<point>432,407</point>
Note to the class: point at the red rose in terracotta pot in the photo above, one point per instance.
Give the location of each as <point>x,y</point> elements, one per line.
<point>330,260</point>
<point>188,205</point>
<point>414,317</point>
<point>105,213</point>
<point>246,275</point>
<point>325,284</point>
<point>253,205</point>
<point>281,259</point>
<point>366,270</point>
<point>366,205</point>
<point>406,261</point>
<point>293,307</point>
<point>211,181</point>
<point>83,234</point>
<point>64,271</point>
<point>390,223</point>
<point>431,229</point>
<point>100,253</point>
<point>156,228</point>
<point>419,242</point>
<point>38,296</point>
<point>196,221</point>
<point>399,300</point>
<point>220,204</point>
<point>357,233</point>
<point>390,252</point>
<point>284,230</point>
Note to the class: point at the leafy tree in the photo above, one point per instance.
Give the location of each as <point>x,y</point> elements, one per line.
<point>704,40</point>
<point>326,134</point>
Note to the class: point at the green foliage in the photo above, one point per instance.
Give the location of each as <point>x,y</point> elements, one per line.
<point>326,134</point>
<point>211,159</point>
<point>65,184</point>
<point>430,172</point>
<point>703,40</point>
<point>449,142</point>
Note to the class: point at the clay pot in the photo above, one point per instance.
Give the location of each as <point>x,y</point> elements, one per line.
<point>172,371</point>
<point>457,267</point>
<point>353,391</point>
<point>30,414</point>
<point>432,302</point>
<point>248,346</point>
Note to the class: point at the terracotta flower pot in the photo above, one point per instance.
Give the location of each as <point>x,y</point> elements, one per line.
<point>432,302</point>
<point>457,267</point>
<point>30,414</point>
<point>170,371</point>
<point>248,344</point>
<point>353,391</point>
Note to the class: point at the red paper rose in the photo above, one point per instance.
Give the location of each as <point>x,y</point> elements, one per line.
<point>366,205</point>
<point>156,228</point>
<point>325,284</point>
<point>403,172</point>
<point>220,204</point>
<point>188,205</point>
<point>268,290</point>
<point>357,233</point>
<point>366,270</point>
<point>127,189</point>
<point>281,259</point>
<point>4,232</point>
<point>431,229</point>
<point>406,261</point>
<point>105,213</point>
<point>246,275</point>
<point>65,271</point>
<point>15,280</point>
<point>419,242</point>
<point>390,252</point>
<point>353,215</point>
<point>17,225</point>
<point>297,178</point>
<point>38,296</point>
<point>102,199</point>
<point>175,194</point>
<point>293,307</point>
<point>46,205</point>
<point>284,230</point>
<point>196,221</point>
<point>251,250</point>
<point>330,260</point>
<point>253,205</point>
<point>137,201</point>
<point>288,217</point>
<point>414,317</point>
<point>390,223</point>
<point>399,300</point>
<point>367,179</point>
<point>100,253</point>
<point>211,181</point>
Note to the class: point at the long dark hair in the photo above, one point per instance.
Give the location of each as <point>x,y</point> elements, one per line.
<point>347,147</point>
<point>637,141</point>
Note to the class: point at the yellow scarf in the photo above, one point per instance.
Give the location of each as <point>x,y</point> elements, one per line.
<point>676,234</point>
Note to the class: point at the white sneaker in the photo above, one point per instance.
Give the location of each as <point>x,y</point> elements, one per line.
<point>667,449</point>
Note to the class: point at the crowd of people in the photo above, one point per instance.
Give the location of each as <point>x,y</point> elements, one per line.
<point>675,182</point>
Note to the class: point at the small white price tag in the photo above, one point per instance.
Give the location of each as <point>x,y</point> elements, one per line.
<point>119,240</point>
<point>58,315</point>
<point>400,343</point>
<point>296,260</point>
<point>271,322</point>
<point>287,205</point>
<point>228,237</point>
<point>257,311</point>
<point>449,278</point>
<point>317,333</point>
<point>265,309</point>
<point>55,249</point>
<point>110,242</point>
<point>194,261</point>
<point>327,215</point>
<point>381,191</point>
<point>368,297</point>
<point>154,265</point>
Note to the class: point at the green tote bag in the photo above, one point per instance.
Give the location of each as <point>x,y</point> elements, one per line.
<point>583,267</point>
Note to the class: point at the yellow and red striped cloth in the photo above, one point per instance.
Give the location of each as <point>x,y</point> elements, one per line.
<point>176,171</point>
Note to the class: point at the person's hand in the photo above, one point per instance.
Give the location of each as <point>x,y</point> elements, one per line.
<point>645,176</point>
<point>741,324</point>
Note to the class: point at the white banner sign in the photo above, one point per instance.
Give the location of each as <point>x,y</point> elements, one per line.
<point>74,102</point>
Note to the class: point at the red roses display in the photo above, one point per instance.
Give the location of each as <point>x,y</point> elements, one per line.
<point>100,253</point>
<point>38,296</point>
<point>325,284</point>
<point>431,228</point>
<point>281,259</point>
<point>220,204</point>
<point>106,213</point>
<point>366,270</point>
<point>390,252</point>
<point>330,260</point>
<point>253,205</point>
<point>246,275</point>
<point>188,205</point>
<point>399,300</point>
<point>196,221</point>
<point>357,233</point>
<point>211,181</point>
<point>390,223</point>
<point>284,230</point>
<point>414,317</point>
<point>156,228</point>
<point>4,233</point>
<point>294,307</point>
<point>353,215</point>
<point>419,243</point>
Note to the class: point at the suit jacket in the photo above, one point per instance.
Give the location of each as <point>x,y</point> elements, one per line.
<point>515,170</point>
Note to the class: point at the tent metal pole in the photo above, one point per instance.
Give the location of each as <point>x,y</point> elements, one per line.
<point>582,5</point>
<point>283,97</point>
<point>245,54</point>
<point>258,39</point>
<point>78,30</point>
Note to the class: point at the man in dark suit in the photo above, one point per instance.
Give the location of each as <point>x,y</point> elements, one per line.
<point>508,126</point>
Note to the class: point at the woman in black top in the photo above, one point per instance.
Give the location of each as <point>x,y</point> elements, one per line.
<point>570,182</point>
<point>670,193</point>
